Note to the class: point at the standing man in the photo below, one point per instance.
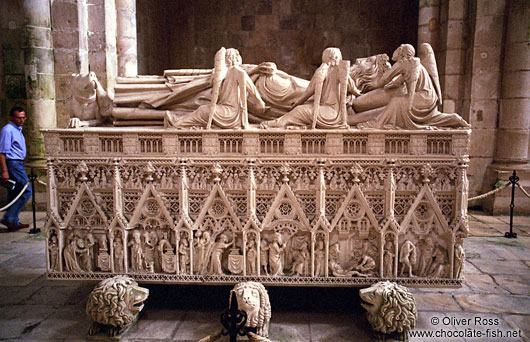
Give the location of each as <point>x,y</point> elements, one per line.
<point>12,154</point>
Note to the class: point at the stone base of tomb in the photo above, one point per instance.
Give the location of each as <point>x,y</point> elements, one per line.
<point>282,207</point>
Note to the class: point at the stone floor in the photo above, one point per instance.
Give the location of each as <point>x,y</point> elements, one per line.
<point>494,301</point>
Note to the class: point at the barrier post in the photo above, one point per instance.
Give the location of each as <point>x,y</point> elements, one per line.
<point>32,178</point>
<point>513,179</point>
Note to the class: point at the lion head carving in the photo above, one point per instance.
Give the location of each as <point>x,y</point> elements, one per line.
<point>390,307</point>
<point>252,297</point>
<point>114,304</point>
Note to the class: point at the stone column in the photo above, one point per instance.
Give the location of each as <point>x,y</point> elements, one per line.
<point>126,38</point>
<point>39,74</point>
<point>512,146</point>
<point>512,135</point>
<point>429,23</point>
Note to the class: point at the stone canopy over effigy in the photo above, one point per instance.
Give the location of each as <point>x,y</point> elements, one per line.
<point>330,205</point>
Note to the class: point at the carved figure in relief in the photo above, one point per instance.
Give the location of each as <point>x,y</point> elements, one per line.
<point>252,255</point>
<point>407,257</point>
<point>439,264</point>
<point>90,104</point>
<point>114,305</point>
<point>184,255</point>
<point>334,266</point>
<point>427,252</point>
<point>203,246</point>
<point>276,255</point>
<point>53,250</point>
<point>167,254</point>
<point>366,266</point>
<point>326,112</point>
<point>390,309</point>
<point>253,299</point>
<point>412,97</point>
<point>301,256</point>
<point>228,108</point>
<point>74,246</point>
<point>150,240</point>
<point>388,260</point>
<point>459,261</point>
<point>217,253</point>
<point>118,254</point>
<point>264,256</point>
<point>137,252</point>
<point>87,258</point>
<point>320,258</point>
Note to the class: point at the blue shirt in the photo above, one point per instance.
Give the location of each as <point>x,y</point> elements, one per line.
<point>12,142</point>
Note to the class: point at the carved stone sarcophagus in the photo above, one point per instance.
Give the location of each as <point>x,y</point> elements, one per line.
<point>282,207</point>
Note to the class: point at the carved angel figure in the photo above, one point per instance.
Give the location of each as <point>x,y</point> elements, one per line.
<point>411,91</point>
<point>228,108</point>
<point>329,86</point>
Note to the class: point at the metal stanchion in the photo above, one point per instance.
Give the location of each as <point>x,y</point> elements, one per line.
<point>33,178</point>
<point>233,320</point>
<point>514,179</point>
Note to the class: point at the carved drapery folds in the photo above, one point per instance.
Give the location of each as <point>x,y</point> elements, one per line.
<point>314,218</point>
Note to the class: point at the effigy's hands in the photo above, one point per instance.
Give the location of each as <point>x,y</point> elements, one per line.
<point>267,68</point>
<point>74,123</point>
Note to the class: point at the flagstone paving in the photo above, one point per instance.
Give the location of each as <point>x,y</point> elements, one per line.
<point>494,300</point>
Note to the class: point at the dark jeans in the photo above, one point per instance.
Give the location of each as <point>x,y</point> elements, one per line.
<point>17,172</point>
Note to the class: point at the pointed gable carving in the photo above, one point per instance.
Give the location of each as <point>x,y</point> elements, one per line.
<point>151,210</point>
<point>85,211</point>
<point>285,208</point>
<point>355,213</point>
<point>424,214</point>
<point>217,208</point>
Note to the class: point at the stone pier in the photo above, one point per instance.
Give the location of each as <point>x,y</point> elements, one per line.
<point>39,73</point>
<point>514,119</point>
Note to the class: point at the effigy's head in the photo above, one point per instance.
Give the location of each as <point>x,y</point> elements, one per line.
<point>389,307</point>
<point>367,69</point>
<point>404,51</point>
<point>233,58</point>
<point>331,56</point>
<point>116,301</point>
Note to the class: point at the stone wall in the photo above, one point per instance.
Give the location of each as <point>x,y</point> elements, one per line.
<point>290,33</point>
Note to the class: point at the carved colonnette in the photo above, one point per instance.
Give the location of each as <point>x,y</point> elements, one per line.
<point>285,207</point>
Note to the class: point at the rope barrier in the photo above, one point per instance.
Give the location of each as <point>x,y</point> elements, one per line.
<point>499,187</point>
<point>16,198</point>
<point>523,190</point>
<point>41,182</point>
